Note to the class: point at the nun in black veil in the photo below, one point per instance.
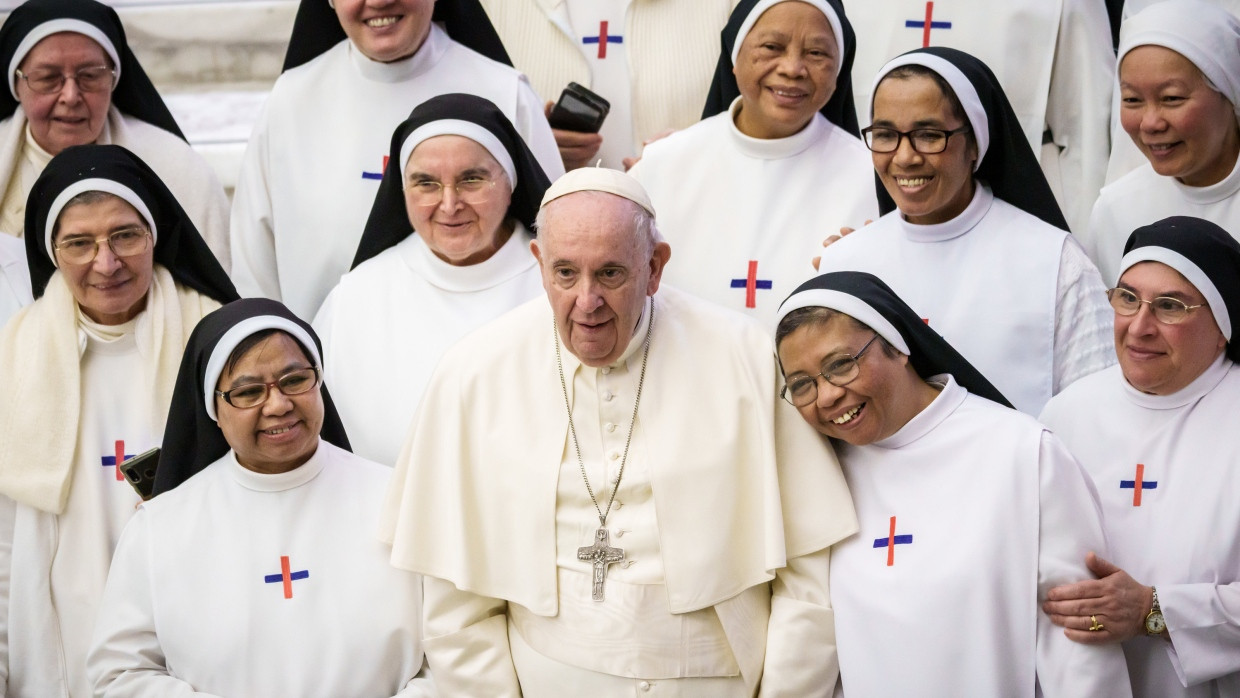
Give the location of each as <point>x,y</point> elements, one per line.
<point>255,570</point>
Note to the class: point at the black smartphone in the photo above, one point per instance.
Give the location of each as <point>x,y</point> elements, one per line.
<point>579,109</point>
<point>139,472</point>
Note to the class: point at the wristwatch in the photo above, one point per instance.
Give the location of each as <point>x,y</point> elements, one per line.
<point>1154,623</point>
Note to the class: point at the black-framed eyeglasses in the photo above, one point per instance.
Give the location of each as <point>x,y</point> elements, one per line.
<point>303,380</point>
<point>927,141</point>
<point>81,249</point>
<point>838,370</point>
<point>1167,310</point>
<point>94,78</point>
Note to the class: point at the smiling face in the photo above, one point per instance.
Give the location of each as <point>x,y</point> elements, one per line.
<point>70,116</point>
<point>1155,357</point>
<point>885,395</point>
<point>597,271</point>
<point>785,70</point>
<point>927,189</point>
<point>458,233</point>
<point>386,30</point>
<point>282,433</point>
<point>1182,126</point>
<point>111,290</point>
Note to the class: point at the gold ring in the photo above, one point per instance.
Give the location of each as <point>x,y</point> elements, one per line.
<point>1096,625</point>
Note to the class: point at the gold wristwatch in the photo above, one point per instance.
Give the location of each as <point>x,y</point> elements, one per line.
<point>1154,623</point>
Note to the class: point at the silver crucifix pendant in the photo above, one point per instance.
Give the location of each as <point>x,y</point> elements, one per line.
<point>602,555</point>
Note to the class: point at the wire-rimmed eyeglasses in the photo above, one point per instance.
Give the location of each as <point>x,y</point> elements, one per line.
<point>838,370</point>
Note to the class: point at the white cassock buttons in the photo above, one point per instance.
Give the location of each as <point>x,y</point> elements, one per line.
<point>615,455</point>
<point>608,396</point>
<point>606,370</point>
<point>610,426</point>
<point>644,685</point>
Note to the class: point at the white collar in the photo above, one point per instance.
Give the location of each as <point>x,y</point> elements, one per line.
<point>775,148</point>
<point>968,219</point>
<point>1213,193</point>
<point>1190,393</point>
<point>934,414</point>
<point>278,482</point>
<point>427,55</point>
<point>510,260</point>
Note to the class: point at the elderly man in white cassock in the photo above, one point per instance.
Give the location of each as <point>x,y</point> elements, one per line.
<point>601,492</point>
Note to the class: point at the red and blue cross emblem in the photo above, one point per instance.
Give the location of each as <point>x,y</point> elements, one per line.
<point>1138,484</point>
<point>286,576</point>
<point>379,174</point>
<point>891,541</point>
<point>118,456</point>
<point>751,283</point>
<point>927,24</point>
<point>602,39</point>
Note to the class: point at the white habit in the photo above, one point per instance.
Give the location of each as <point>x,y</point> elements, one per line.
<point>1053,58</point>
<point>969,514</point>
<point>1142,197</point>
<point>188,176</point>
<point>489,502</point>
<point>1165,470</point>
<point>318,152</point>
<point>239,583</point>
<point>745,216</point>
<point>1016,296</point>
<point>387,323</point>
<point>14,277</point>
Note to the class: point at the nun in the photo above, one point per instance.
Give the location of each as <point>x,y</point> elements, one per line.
<point>969,511</point>
<point>121,277</point>
<point>446,249</point>
<point>748,194</point>
<point>287,591</point>
<point>1157,435</point>
<point>1179,83</point>
<point>971,236</point>
<point>307,184</point>
<point>73,80</point>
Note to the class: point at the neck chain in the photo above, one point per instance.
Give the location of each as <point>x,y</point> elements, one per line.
<point>572,429</point>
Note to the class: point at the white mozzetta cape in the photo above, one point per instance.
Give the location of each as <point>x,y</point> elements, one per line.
<point>740,484</point>
<point>387,323</point>
<point>316,157</point>
<point>1015,296</point>
<point>1142,197</point>
<point>969,514</point>
<point>736,209</point>
<point>188,176</point>
<point>1178,532</point>
<point>197,599</point>
<point>1053,58</point>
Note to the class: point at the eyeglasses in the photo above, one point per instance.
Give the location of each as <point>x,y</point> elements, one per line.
<point>303,380</point>
<point>470,190</point>
<point>81,249</point>
<point>1167,310</point>
<point>926,141</point>
<point>838,371</point>
<point>95,78</point>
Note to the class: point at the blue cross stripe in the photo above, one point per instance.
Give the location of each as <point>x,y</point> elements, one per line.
<point>881,542</point>
<point>274,578</point>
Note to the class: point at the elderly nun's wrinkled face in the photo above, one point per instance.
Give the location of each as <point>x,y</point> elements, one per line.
<point>110,288</point>
<point>598,269</point>
<point>282,432</point>
<point>1183,127</point>
<point>785,70</point>
<point>928,188</point>
<point>885,394</point>
<point>457,198</point>
<point>1156,357</point>
<point>71,115</point>
<point>386,30</point>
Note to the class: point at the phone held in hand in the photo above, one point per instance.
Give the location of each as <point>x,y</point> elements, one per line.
<point>139,472</point>
<point>579,109</point>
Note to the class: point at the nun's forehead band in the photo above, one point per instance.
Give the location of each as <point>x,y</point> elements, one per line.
<point>1189,270</point>
<point>849,305</point>
<point>465,129</point>
<point>57,26</point>
<point>82,186</point>
<point>960,84</point>
<point>235,335</point>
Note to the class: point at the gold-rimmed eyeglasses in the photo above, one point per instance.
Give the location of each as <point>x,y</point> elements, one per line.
<point>838,370</point>
<point>1167,310</point>
<point>302,380</point>
<point>472,190</point>
<point>94,78</point>
<point>81,249</point>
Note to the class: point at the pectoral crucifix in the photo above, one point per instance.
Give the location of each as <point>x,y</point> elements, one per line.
<point>602,555</point>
